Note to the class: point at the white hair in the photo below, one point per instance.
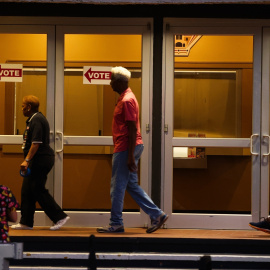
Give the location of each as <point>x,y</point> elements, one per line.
<point>121,73</point>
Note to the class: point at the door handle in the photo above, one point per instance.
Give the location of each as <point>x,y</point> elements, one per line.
<point>268,137</point>
<point>62,141</point>
<point>251,144</point>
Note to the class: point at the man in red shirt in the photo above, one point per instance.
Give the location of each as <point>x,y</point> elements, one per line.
<point>128,147</point>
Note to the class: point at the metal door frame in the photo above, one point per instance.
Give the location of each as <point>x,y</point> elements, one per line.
<point>265,145</point>
<point>40,217</point>
<point>105,26</point>
<point>209,27</point>
<point>55,28</point>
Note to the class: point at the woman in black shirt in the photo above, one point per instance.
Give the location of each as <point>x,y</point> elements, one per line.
<point>39,158</point>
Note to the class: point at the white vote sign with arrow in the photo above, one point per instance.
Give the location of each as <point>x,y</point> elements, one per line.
<point>11,72</point>
<point>96,75</point>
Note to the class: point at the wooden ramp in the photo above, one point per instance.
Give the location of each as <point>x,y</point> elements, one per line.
<point>140,232</point>
<point>84,248</point>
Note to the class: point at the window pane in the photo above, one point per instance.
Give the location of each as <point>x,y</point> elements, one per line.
<point>213,92</point>
<point>212,99</point>
<point>88,111</point>
<point>30,50</point>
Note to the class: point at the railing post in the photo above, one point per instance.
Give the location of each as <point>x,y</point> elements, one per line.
<point>92,253</point>
<point>10,251</point>
<point>205,263</point>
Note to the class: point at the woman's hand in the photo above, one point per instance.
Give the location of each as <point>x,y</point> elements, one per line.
<point>32,151</point>
<point>24,166</point>
<point>12,216</point>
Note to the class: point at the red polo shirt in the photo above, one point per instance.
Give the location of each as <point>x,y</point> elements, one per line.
<point>127,109</point>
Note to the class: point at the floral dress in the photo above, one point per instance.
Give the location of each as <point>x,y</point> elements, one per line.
<point>8,203</point>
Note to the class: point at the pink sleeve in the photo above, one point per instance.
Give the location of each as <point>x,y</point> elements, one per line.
<point>130,111</point>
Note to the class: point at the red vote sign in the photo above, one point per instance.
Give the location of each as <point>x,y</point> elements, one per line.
<point>11,72</point>
<point>96,75</point>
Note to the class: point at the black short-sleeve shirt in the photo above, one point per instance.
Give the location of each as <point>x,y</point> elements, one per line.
<point>37,131</point>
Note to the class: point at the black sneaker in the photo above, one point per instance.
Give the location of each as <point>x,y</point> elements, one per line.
<point>263,226</point>
<point>156,224</point>
<point>111,229</point>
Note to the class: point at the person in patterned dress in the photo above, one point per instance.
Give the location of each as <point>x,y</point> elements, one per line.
<point>8,212</point>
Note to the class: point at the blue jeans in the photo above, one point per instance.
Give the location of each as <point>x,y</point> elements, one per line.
<point>122,180</point>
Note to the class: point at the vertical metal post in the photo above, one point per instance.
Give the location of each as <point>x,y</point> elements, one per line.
<point>92,254</point>
<point>10,251</point>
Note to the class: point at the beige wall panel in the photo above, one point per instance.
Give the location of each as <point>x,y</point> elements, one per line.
<point>224,186</point>
<point>87,183</point>
<point>10,176</point>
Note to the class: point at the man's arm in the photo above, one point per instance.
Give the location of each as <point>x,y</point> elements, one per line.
<point>132,134</point>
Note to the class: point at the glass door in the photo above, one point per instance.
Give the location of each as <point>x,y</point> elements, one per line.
<point>31,48</point>
<point>84,113</point>
<point>212,126</point>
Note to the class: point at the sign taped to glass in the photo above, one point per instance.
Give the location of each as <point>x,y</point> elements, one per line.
<point>96,75</point>
<point>11,72</point>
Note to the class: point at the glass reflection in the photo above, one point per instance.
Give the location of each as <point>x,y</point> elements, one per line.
<point>207,102</point>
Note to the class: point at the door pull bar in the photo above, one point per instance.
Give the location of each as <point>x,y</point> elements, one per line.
<point>62,140</point>
<point>251,144</point>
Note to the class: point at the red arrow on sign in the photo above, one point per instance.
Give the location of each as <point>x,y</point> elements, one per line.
<point>97,75</point>
<point>10,72</point>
